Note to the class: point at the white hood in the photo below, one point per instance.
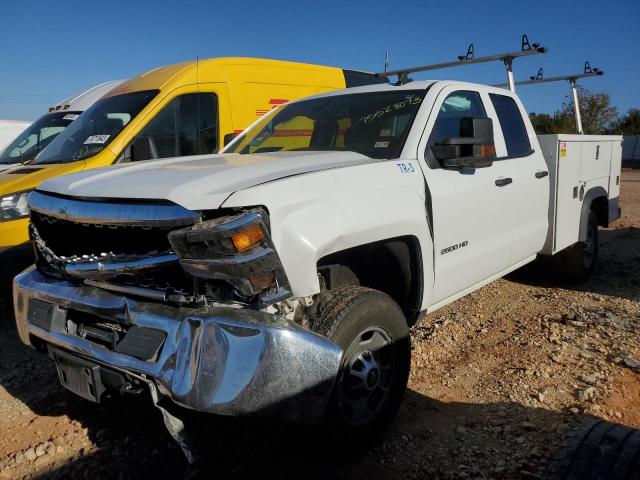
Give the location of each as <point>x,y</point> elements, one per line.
<point>196,183</point>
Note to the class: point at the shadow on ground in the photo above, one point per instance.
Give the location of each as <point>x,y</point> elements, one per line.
<point>617,271</point>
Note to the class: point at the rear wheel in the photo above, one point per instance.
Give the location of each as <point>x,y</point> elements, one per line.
<point>577,262</point>
<point>373,333</point>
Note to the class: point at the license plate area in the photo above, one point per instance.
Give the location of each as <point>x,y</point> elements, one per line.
<point>79,376</point>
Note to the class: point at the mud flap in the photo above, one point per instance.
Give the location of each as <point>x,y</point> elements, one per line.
<point>175,427</point>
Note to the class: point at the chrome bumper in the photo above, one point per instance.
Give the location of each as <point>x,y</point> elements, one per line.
<point>227,361</point>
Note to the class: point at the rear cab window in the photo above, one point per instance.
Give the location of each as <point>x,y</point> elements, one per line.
<point>513,128</point>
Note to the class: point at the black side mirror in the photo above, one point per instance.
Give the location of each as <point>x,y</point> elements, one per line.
<point>229,137</point>
<point>474,148</point>
<point>142,148</point>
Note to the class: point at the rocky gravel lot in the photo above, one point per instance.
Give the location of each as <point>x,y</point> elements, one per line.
<point>498,379</point>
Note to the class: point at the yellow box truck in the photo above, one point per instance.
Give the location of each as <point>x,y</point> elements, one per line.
<point>189,108</point>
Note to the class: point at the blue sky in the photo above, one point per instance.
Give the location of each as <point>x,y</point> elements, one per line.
<point>52,49</point>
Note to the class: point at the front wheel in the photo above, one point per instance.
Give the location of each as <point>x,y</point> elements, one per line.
<point>372,331</point>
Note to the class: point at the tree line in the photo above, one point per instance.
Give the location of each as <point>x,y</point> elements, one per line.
<point>598,116</point>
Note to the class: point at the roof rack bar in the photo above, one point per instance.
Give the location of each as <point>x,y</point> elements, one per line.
<point>469,59</point>
<point>539,78</point>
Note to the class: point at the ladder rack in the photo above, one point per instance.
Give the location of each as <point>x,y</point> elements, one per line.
<point>539,78</point>
<point>526,50</point>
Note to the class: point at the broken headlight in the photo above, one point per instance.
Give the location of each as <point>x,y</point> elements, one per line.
<point>236,249</point>
<point>14,206</point>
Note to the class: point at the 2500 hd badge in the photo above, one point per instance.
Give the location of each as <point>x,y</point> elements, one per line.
<point>454,247</point>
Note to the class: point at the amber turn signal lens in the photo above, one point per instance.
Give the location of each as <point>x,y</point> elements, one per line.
<point>246,239</point>
<point>487,150</point>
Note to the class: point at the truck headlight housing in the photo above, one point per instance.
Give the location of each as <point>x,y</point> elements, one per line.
<point>236,249</point>
<point>14,206</point>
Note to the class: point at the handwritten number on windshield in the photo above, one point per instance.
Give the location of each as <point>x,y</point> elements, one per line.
<point>412,100</point>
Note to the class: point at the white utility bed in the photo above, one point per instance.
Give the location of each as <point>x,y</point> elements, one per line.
<point>578,163</point>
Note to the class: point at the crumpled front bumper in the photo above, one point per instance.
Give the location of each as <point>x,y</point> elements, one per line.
<point>229,361</point>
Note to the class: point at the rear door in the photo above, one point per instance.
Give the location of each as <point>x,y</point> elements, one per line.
<point>529,174</point>
<point>472,210</point>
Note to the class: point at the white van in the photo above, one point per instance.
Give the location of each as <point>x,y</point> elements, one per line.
<point>37,135</point>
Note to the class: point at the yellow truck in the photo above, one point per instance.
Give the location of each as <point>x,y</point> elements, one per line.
<point>190,108</point>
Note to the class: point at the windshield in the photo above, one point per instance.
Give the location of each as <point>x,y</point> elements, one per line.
<point>374,124</point>
<point>37,136</point>
<point>96,128</point>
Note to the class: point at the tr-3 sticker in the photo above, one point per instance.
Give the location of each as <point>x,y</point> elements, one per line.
<point>406,167</point>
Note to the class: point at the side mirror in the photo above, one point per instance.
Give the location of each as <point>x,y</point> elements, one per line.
<point>142,148</point>
<point>229,137</point>
<point>474,148</point>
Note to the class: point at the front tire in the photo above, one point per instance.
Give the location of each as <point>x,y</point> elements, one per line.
<point>373,333</point>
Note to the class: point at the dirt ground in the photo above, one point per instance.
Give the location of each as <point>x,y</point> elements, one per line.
<point>498,379</point>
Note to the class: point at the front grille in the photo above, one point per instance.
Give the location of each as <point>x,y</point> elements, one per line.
<point>110,243</point>
<point>73,241</point>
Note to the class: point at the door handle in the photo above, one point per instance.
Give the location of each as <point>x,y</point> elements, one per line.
<point>501,182</point>
<point>542,174</point>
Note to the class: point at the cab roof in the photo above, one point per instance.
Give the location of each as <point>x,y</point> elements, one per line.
<point>201,71</point>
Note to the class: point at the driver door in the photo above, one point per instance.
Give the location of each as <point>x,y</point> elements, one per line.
<point>470,208</point>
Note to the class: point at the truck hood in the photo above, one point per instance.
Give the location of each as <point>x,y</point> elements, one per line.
<point>196,183</point>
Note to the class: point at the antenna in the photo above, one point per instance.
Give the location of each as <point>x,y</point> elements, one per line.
<point>588,72</point>
<point>386,60</point>
<point>526,49</point>
<point>198,72</point>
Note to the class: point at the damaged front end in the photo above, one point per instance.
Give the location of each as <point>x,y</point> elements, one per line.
<point>192,302</point>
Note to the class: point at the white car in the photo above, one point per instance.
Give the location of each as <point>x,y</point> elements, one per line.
<point>281,277</point>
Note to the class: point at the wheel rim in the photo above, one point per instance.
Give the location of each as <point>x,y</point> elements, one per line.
<point>589,245</point>
<point>367,376</point>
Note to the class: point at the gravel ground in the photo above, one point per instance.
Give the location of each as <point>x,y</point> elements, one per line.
<point>498,379</point>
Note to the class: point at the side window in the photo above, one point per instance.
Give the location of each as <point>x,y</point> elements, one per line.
<point>513,128</point>
<point>456,106</point>
<point>188,125</point>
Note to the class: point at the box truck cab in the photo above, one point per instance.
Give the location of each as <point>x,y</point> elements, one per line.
<point>34,137</point>
<point>189,108</point>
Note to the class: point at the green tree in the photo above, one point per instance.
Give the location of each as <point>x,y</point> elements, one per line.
<point>598,115</point>
<point>627,125</point>
<point>544,123</point>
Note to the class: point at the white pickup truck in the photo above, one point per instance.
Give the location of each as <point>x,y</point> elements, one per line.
<point>281,277</point>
